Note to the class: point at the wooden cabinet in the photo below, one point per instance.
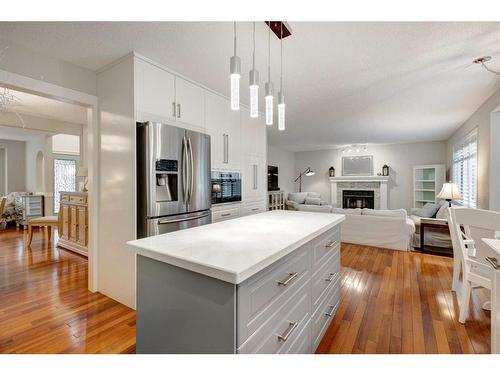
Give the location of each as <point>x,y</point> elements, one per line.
<point>223,126</point>
<point>73,222</point>
<point>164,97</point>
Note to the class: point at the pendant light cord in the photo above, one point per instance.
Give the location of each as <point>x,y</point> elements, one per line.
<point>234,34</point>
<point>269,53</point>
<point>253,55</point>
<point>281,57</point>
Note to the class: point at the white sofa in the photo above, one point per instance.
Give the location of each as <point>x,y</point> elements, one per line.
<point>307,201</point>
<point>391,229</point>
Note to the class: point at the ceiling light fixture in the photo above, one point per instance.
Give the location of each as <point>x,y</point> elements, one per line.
<point>281,95</point>
<point>254,84</point>
<point>483,60</point>
<point>235,69</point>
<point>269,85</point>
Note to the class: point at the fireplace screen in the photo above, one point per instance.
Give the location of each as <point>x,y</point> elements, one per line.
<point>358,199</point>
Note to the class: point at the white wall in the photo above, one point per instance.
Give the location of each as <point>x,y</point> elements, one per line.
<point>15,153</point>
<point>33,146</point>
<point>20,60</point>
<point>481,119</point>
<point>285,161</point>
<point>400,157</point>
<point>3,173</point>
<point>66,144</point>
<point>494,165</point>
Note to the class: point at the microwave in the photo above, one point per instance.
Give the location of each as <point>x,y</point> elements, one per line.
<point>226,187</point>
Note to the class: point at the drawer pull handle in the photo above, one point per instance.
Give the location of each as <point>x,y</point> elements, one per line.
<point>288,332</point>
<point>493,262</point>
<point>290,277</point>
<point>330,310</point>
<point>228,214</point>
<point>332,276</point>
<point>330,244</point>
<point>255,209</point>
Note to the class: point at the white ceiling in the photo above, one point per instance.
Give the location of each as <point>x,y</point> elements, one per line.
<point>344,82</point>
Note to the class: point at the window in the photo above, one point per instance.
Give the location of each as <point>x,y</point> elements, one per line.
<point>465,169</point>
<point>64,178</point>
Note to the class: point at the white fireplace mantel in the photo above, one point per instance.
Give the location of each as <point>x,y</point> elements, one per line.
<point>382,180</point>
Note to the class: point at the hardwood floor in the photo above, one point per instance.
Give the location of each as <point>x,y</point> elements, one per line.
<point>400,302</point>
<point>393,302</point>
<point>45,306</point>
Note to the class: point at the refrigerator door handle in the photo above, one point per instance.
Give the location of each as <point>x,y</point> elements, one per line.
<point>170,221</point>
<point>185,175</point>
<point>191,169</point>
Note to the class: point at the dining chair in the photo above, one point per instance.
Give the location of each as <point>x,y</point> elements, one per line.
<point>467,227</point>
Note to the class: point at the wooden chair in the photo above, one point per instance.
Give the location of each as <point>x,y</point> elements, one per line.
<point>44,221</point>
<point>467,227</point>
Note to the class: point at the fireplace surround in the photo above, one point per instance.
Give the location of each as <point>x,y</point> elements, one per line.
<point>376,184</point>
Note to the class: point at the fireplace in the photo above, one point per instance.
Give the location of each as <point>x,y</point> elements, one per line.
<point>358,199</point>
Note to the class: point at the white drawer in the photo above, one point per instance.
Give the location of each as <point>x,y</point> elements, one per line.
<point>324,314</point>
<point>324,245</point>
<point>327,274</point>
<point>282,329</point>
<point>225,214</point>
<point>254,208</point>
<point>260,297</point>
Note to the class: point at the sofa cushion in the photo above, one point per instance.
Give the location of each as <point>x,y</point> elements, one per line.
<point>311,194</point>
<point>393,213</point>
<point>313,200</point>
<point>297,197</point>
<point>442,212</point>
<point>429,210</point>
<point>347,211</point>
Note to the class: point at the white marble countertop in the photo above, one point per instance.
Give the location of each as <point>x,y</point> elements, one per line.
<point>237,249</point>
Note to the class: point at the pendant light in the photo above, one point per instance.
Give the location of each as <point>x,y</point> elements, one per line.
<point>269,85</point>
<point>281,96</point>
<point>235,68</point>
<point>254,84</point>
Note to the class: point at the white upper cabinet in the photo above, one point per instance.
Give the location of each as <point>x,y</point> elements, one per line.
<point>223,126</point>
<point>161,96</point>
<point>189,100</point>
<point>155,92</point>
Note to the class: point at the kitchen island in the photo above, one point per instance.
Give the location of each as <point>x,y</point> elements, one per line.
<point>266,283</point>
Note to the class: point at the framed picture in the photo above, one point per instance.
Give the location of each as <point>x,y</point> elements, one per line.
<point>357,165</point>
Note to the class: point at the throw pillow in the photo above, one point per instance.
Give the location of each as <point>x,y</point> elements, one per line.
<point>297,197</point>
<point>311,200</point>
<point>429,210</point>
<point>313,195</point>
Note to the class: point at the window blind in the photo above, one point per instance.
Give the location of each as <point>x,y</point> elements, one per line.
<point>465,169</point>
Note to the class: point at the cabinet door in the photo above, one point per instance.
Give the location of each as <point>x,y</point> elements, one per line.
<point>189,99</point>
<point>249,178</point>
<point>65,222</point>
<point>155,89</point>
<point>249,132</point>
<point>73,223</point>
<point>82,226</point>
<point>216,120</point>
<point>233,131</point>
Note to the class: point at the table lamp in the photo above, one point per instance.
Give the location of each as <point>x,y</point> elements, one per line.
<point>449,192</point>
<point>83,172</point>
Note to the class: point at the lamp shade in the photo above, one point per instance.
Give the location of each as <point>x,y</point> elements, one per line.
<point>82,172</point>
<point>309,172</point>
<point>449,192</point>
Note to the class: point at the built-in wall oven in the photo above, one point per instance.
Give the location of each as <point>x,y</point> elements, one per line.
<point>226,187</point>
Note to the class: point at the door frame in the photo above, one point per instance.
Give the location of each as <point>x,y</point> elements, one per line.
<point>26,84</point>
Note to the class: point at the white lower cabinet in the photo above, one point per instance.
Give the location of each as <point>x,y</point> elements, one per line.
<point>253,208</point>
<point>225,212</point>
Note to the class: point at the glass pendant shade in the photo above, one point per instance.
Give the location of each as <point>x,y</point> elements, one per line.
<point>235,65</point>
<point>254,93</point>
<point>269,103</point>
<point>281,111</point>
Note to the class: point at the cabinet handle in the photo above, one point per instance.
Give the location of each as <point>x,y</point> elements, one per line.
<point>331,277</point>
<point>178,110</point>
<point>173,110</point>
<point>330,244</point>
<point>225,215</point>
<point>255,209</point>
<point>255,176</point>
<point>225,139</point>
<point>330,310</point>
<point>291,327</point>
<point>493,262</point>
<point>290,277</point>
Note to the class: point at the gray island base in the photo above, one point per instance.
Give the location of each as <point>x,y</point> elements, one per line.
<point>275,293</point>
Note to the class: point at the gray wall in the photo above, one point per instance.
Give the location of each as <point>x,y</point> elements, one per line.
<point>285,161</point>
<point>15,153</point>
<point>481,119</point>
<point>400,157</point>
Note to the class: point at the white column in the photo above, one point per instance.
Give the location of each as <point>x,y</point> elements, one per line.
<point>333,193</point>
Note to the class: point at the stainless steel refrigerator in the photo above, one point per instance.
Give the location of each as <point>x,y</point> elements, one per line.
<point>173,179</point>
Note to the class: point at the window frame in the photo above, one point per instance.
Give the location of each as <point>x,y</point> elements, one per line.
<point>459,161</point>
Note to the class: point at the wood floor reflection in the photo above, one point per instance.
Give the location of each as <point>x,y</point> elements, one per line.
<point>401,302</point>
<point>45,306</point>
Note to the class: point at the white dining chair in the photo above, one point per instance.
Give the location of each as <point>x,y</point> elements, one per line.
<point>467,227</point>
